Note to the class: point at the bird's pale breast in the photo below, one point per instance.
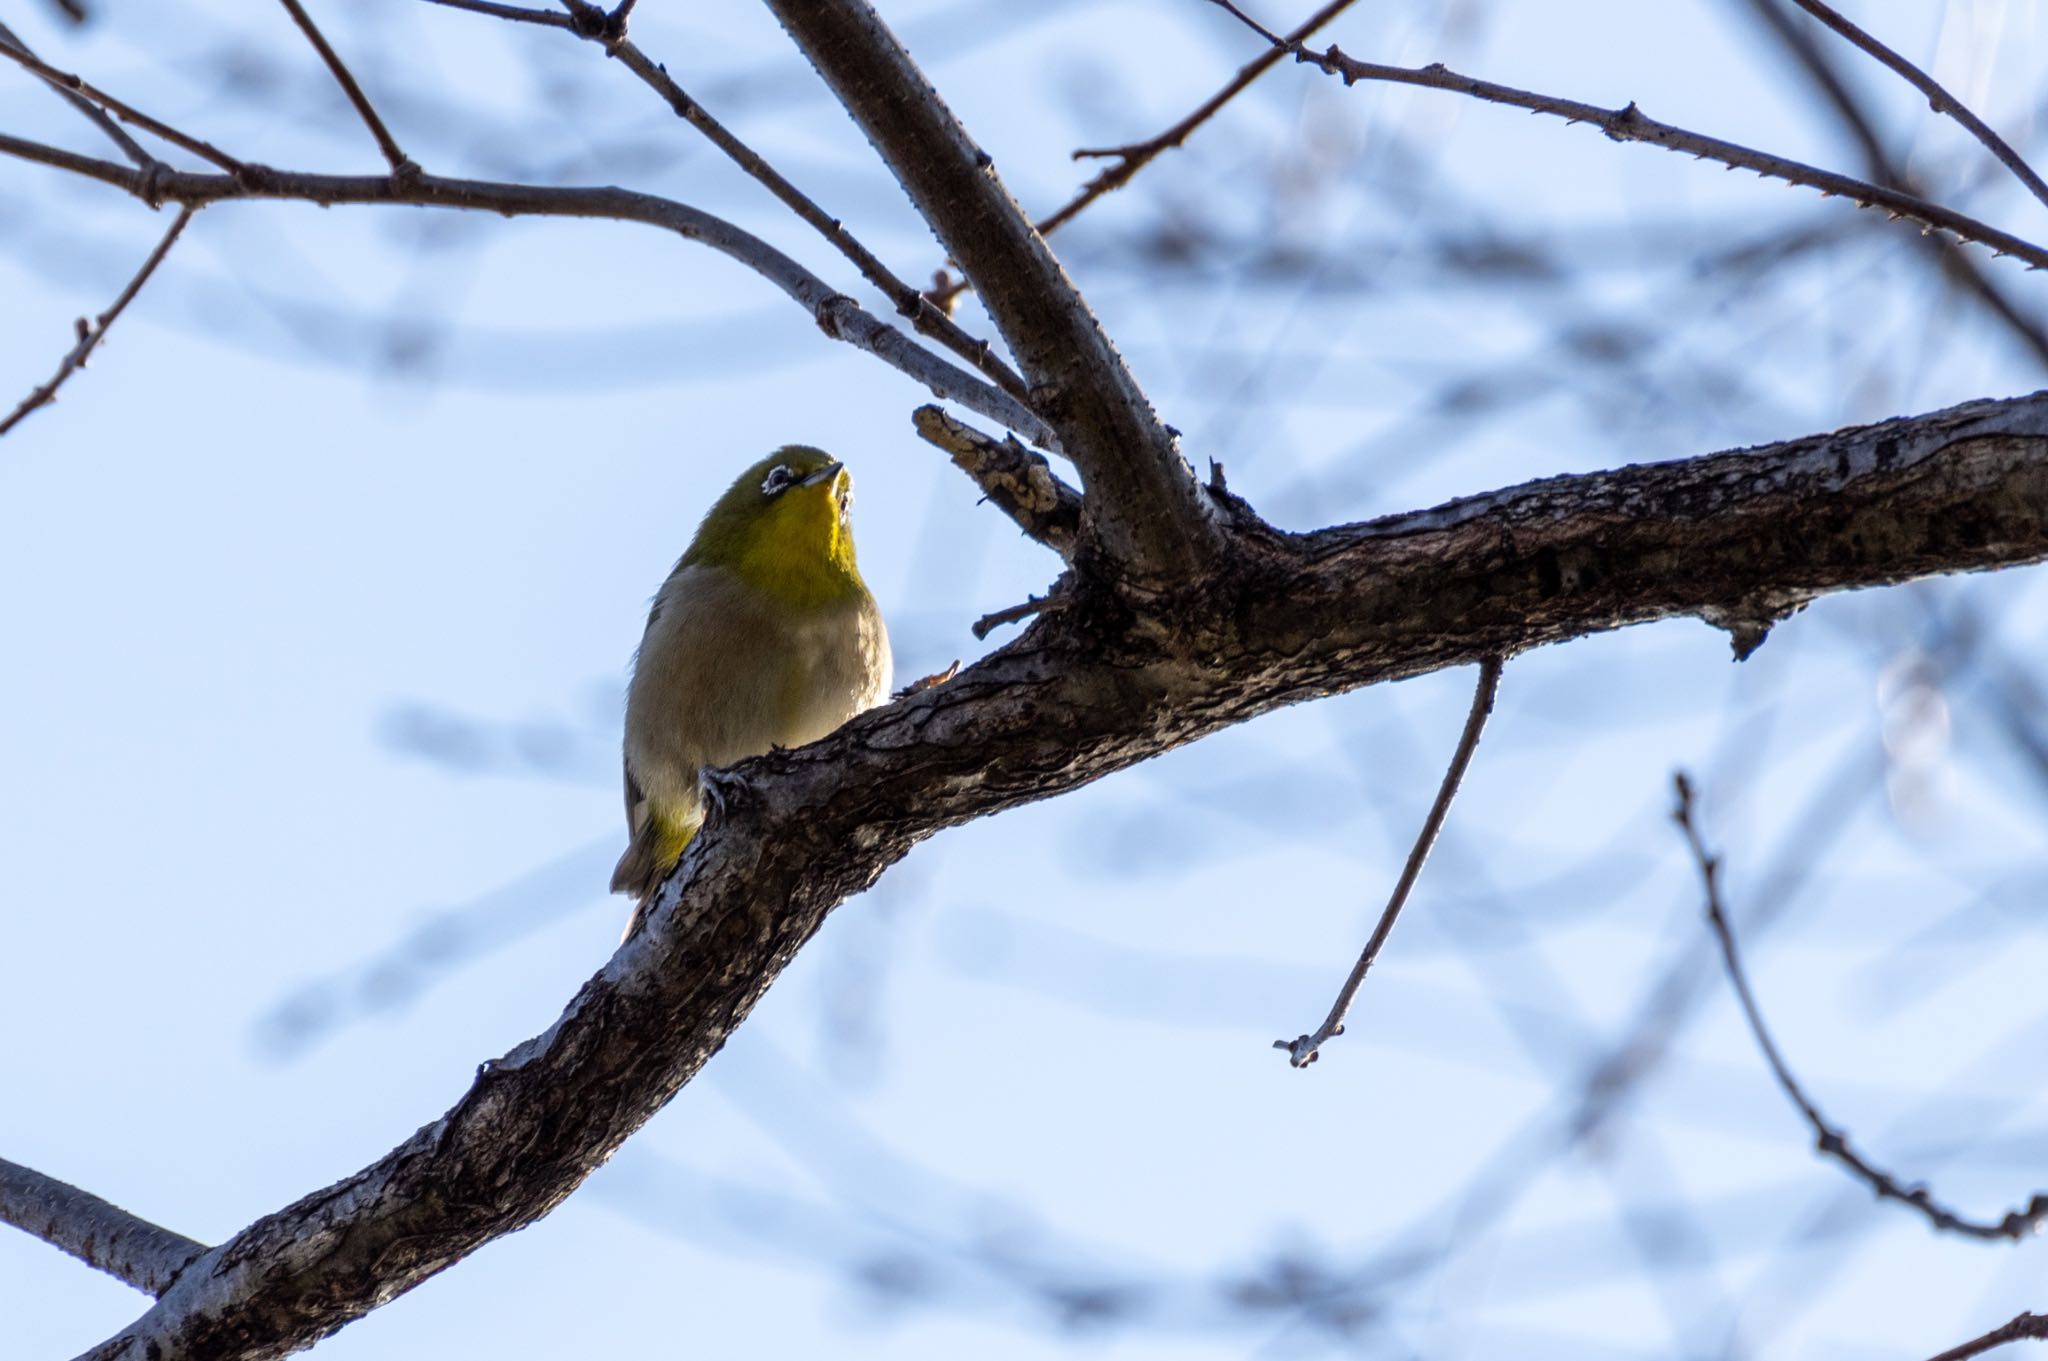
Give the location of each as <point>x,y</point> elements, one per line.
<point>724,673</point>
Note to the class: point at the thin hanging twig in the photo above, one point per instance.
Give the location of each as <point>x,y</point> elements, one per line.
<point>90,333</point>
<point>1302,1050</point>
<point>2016,1226</point>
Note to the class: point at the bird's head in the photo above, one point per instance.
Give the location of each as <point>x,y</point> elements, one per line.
<point>784,526</point>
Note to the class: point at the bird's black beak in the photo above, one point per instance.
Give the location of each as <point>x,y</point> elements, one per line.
<point>824,474</point>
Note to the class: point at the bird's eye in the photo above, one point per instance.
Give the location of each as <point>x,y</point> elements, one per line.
<point>778,480</point>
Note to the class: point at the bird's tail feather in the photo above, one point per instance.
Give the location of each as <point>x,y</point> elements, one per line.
<point>652,853</point>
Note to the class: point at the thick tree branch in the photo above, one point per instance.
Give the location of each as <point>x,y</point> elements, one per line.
<point>1087,690</point>
<point>1143,506</point>
<point>839,316</point>
<point>100,1234</point>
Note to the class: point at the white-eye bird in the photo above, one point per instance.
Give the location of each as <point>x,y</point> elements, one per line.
<point>763,636</point>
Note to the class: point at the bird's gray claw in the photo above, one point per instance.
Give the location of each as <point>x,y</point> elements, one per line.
<point>712,783</point>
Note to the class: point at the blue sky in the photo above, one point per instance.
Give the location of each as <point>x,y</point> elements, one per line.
<point>255,574</point>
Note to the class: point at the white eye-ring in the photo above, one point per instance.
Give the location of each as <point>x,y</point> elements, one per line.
<point>780,479</point>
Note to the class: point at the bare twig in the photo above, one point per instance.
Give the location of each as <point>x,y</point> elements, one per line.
<point>931,682</point>
<point>2022,1327</point>
<point>1020,483</point>
<point>517,14</point>
<point>100,1234</point>
<point>65,80</point>
<point>90,333</point>
<point>401,164</point>
<point>930,318</point>
<point>1630,124</point>
<point>837,315</point>
<point>1800,43</point>
<point>1253,24</point>
<point>98,116</point>
<point>989,623</point>
<point>1135,157</point>
<point>2017,1224</point>
<point>922,312</point>
<point>1302,1050</point>
<point>1938,98</point>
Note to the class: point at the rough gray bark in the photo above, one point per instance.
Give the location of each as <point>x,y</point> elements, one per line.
<point>1018,482</point>
<point>1101,684</point>
<point>96,1232</point>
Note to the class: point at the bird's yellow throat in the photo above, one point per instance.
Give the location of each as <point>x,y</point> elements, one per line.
<point>800,550</point>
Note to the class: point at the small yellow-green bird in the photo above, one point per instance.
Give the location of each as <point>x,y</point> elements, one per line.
<point>763,636</point>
